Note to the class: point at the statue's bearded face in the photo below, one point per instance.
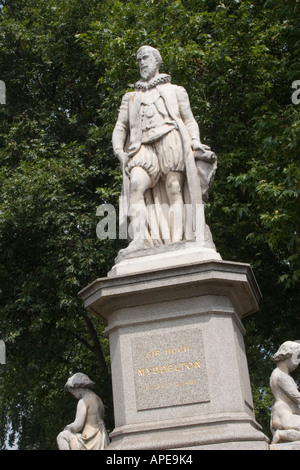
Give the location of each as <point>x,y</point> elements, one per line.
<point>147,64</point>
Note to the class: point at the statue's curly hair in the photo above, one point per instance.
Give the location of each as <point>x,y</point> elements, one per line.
<point>79,380</point>
<point>287,349</point>
<point>155,52</point>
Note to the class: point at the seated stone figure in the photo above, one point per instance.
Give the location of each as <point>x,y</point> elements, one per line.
<point>285,414</point>
<point>88,431</point>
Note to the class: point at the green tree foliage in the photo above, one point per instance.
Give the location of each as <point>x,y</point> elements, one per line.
<point>66,65</point>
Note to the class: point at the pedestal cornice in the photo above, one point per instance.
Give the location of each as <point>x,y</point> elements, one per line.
<point>235,280</point>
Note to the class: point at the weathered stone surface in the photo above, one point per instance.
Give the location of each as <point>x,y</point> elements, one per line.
<point>169,369</point>
<point>195,310</point>
<point>286,446</point>
<point>285,419</point>
<point>87,432</point>
<point>167,170</point>
<point>162,257</point>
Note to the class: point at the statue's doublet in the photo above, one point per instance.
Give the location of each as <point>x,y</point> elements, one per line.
<point>151,111</point>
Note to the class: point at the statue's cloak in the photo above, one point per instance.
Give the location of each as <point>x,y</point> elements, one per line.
<point>199,174</point>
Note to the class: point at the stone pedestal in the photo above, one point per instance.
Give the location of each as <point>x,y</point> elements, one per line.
<point>286,446</point>
<point>179,369</point>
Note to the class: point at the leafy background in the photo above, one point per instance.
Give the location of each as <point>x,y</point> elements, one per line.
<point>66,65</point>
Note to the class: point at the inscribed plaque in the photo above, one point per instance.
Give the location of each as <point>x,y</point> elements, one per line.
<point>169,369</point>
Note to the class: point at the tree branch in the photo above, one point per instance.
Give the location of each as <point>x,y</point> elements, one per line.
<point>97,348</point>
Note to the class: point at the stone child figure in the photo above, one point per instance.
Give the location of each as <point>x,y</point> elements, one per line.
<point>285,414</point>
<point>88,431</point>
<point>165,165</point>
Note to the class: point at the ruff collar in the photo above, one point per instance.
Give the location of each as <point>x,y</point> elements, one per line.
<point>143,85</point>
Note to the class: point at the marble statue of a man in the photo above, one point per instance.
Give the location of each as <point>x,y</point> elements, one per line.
<point>88,431</point>
<point>285,413</point>
<point>166,169</point>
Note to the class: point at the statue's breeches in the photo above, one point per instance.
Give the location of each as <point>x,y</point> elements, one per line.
<point>160,157</point>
